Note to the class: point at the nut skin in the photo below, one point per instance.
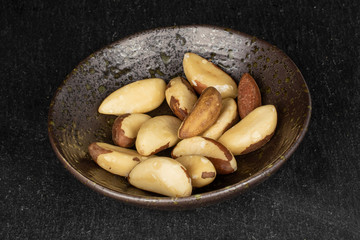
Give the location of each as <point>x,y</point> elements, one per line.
<point>249,96</point>
<point>118,134</point>
<point>208,175</point>
<point>227,118</point>
<point>202,74</point>
<point>126,127</point>
<point>252,132</point>
<point>95,150</point>
<point>163,147</point>
<point>258,145</point>
<point>204,114</point>
<point>222,159</point>
<point>137,97</point>
<point>175,107</point>
<point>157,134</point>
<point>199,86</point>
<point>117,160</point>
<point>180,97</point>
<point>162,175</point>
<point>200,169</point>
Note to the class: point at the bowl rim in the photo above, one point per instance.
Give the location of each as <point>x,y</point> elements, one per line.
<point>203,199</point>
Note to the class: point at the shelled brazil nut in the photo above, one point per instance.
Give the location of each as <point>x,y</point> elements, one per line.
<point>203,74</point>
<point>180,97</point>
<point>223,160</point>
<point>157,134</point>
<point>200,169</point>
<point>252,132</point>
<point>138,97</point>
<point>249,96</point>
<point>203,115</point>
<point>162,175</point>
<point>117,160</point>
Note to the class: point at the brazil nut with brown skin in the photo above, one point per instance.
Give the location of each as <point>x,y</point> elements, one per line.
<point>252,132</point>
<point>202,74</point>
<point>180,97</point>
<point>126,127</point>
<point>200,169</point>
<point>157,134</point>
<point>114,159</point>
<point>249,96</point>
<point>222,159</point>
<point>204,114</point>
<point>162,175</point>
<point>141,96</point>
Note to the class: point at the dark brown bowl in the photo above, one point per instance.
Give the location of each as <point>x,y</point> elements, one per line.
<point>74,122</point>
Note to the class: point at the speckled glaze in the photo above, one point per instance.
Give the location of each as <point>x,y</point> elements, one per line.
<point>74,122</point>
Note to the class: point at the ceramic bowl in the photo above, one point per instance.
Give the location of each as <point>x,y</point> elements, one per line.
<point>74,123</point>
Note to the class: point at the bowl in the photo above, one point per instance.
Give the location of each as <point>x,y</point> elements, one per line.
<point>74,122</point>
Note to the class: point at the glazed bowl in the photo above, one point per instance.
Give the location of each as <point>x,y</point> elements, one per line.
<point>74,122</point>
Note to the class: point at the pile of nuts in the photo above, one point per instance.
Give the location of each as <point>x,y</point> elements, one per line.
<point>205,132</point>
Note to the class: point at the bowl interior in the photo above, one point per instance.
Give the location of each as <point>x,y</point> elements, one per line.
<point>74,122</point>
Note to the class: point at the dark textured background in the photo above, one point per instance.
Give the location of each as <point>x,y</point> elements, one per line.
<point>315,195</point>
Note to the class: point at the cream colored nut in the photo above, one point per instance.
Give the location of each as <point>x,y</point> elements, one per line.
<point>204,114</point>
<point>162,175</point>
<point>223,160</point>
<point>202,74</point>
<point>227,118</point>
<point>200,169</point>
<point>126,127</point>
<point>180,97</point>
<point>117,160</point>
<point>252,132</point>
<point>138,97</point>
<point>157,134</point>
